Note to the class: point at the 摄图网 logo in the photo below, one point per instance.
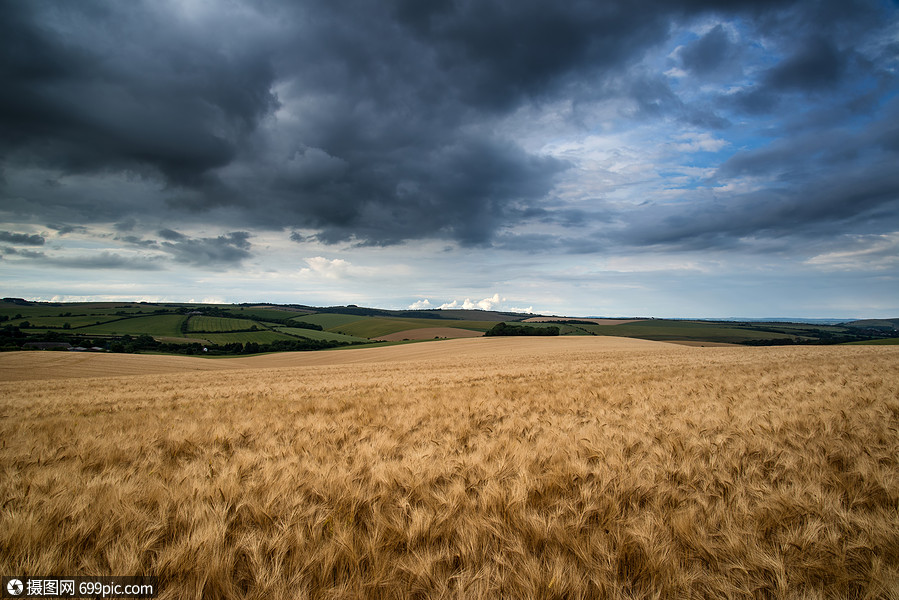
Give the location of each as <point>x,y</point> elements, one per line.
<point>14,587</point>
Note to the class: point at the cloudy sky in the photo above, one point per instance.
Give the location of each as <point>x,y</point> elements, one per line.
<point>686,158</point>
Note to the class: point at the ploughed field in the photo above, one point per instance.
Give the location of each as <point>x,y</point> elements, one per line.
<point>583,467</point>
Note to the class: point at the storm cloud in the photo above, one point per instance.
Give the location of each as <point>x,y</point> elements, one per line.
<point>362,122</point>
<point>21,238</point>
<point>189,129</point>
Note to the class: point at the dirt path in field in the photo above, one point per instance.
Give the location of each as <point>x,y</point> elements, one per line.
<point>37,365</point>
<point>429,333</point>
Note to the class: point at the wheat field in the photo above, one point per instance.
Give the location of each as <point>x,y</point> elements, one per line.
<point>482,468</point>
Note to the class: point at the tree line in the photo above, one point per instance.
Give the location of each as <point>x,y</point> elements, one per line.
<point>503,329</point>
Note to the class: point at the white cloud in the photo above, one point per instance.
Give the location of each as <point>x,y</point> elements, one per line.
<point>528,310</point>
<point>485,304</point>
<point>336,268</point>
<point>420,304</point>
<point>698,142</point>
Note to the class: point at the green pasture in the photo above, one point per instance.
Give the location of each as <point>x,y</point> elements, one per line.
<point>43,310</point>
<point>154,325</point>
<point>883,342</point>
<point>319,335</point>
<point>663,331</point>
<point>377,326</point>
<point>60,322</point>
<point>329,320</point>
<point>264,313</point>
<point>242,337</point>
<point>120,318</point>
<point>219,324</point>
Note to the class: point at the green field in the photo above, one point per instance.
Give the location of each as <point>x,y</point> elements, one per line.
<point>661,330</point>
<point>154,325</point>
<point>330,320</point>
<point>101,311</point>
<point>884,342</point>
<point>372,327</point>
<point>319,335</point>
<point>228,323</point>
<point>60,322</point>
<point>219,324</point>
<point>264,313</point>
<point>242,337</point>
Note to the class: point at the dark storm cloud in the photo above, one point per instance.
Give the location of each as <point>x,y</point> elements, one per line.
<point>222,250</point>
<point>171,235</point>
<point>817,64</point>
<point>23,239</point>
<point>23,253</point>
<point>104,260</point>
<point>822,183</point>
<point>126,225</point>
<point>712,54</point>
<point>96,86</point>
<point>65,229</point>
<point>374,123</point>
<point>507,51</point>
<point>861,200</point>
<point>101,260</point>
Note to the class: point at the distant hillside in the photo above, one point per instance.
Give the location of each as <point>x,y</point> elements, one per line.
<point>476,315</point>
<point>876,324</point>
<point>249,328</point>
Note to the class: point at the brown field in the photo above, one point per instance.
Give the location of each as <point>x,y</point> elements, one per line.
<point>429,333</point>
<point>483,468</point>
<point>31,365</point>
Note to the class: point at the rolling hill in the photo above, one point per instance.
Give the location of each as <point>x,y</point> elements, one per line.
<point>229,329</point>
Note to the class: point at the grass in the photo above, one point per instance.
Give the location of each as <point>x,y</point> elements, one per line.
<point>219,324</point>
<point>264,313</point>
<point>378,326</point>
<point>154,325</point>
<point>684,330</point>
<point>260,337</point>
<point>883,342</point>
<point>57,322</point>
<point>330,320</point>
<point>523,470</point>
<point>312,334</point>
<point>82,318</point>
<point>99,311</point>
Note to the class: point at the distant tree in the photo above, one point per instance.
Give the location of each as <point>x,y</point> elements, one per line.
<point>502,329</point>
<point>145,342</point>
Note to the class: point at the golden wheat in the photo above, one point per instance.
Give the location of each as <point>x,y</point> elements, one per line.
<point>530,470</point>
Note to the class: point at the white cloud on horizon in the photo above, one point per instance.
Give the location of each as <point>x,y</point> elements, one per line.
<point>491,303</point>
<point>420,304</point>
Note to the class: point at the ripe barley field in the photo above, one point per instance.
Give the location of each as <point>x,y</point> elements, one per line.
<point>482,468</point>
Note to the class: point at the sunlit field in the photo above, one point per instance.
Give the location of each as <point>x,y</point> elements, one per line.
<point>482,468</point>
